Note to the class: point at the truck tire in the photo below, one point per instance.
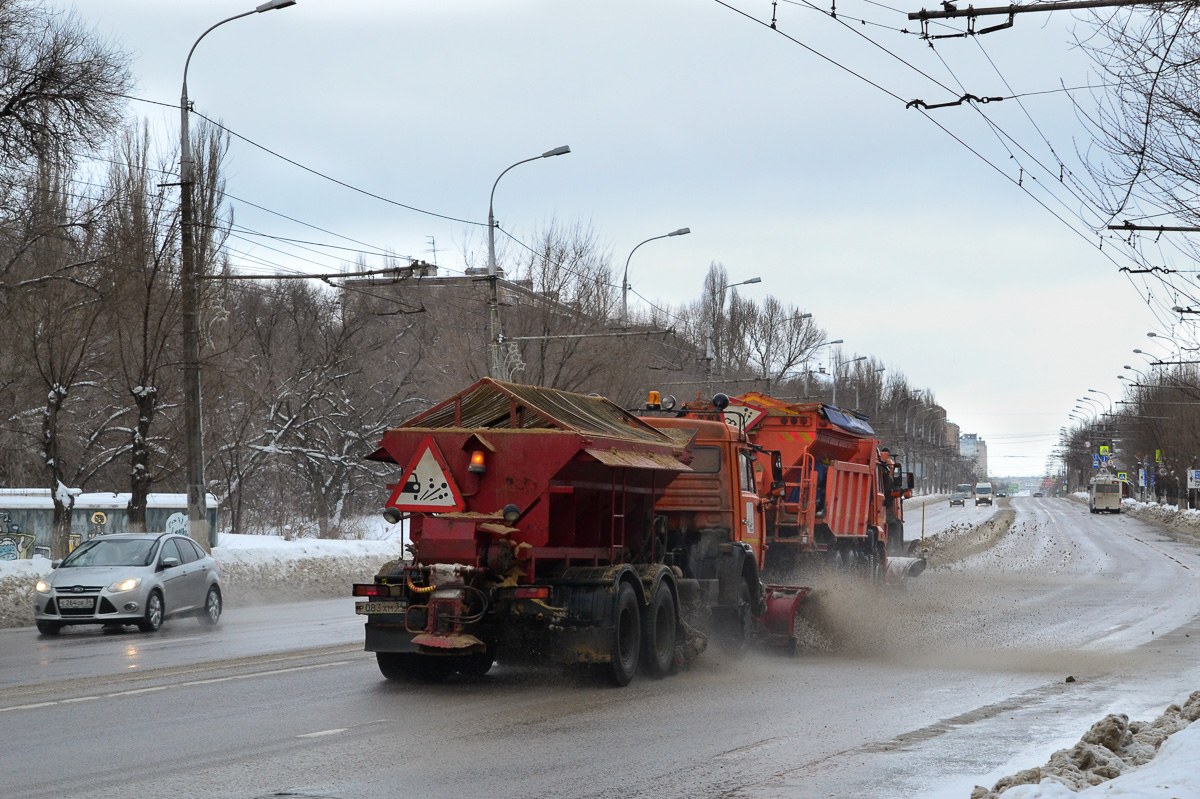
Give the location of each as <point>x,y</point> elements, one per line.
<point>734,630</point>
<point>658,633</point>
<point>411,667</point>
<point>477,664</point>
<point>625,642</point>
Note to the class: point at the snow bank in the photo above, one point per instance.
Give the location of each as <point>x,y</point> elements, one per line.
<point>1111,760</point>
<point>1183,522</point>
<point>255,569</point>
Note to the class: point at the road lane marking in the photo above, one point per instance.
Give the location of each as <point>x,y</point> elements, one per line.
<point>134,691</point>
<point>323,732</point>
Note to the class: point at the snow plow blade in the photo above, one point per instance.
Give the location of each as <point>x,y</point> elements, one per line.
<point>779,622</point>
<point>900,569</point>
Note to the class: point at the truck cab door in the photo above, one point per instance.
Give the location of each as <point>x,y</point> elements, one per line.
<point>750,507</point>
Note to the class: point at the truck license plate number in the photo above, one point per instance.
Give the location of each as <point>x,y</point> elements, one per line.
<point>364,608</point>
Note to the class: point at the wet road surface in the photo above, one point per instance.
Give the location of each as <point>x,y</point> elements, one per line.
<point>956,681</point>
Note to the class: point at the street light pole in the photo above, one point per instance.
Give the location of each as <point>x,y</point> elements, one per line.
<point>838,368</point>
<point>497,368</point>
<point>712,331</point>
<point>819,346</point>
<point>197,501</point>
<point>683,231</point>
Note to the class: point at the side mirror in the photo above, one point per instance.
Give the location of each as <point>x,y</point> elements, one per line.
<point>54,564</point>
<point>169,563</point>
<point>910,481</point>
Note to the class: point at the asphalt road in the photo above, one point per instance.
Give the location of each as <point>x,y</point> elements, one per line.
<point>958,680</point>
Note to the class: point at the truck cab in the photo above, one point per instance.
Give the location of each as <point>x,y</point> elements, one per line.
<point>722,498</point>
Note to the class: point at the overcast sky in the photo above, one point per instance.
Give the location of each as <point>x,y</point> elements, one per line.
<point>898,238</point>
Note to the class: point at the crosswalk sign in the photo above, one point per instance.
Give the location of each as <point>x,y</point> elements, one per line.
<point>427,485</point>
<point>1123,476</point>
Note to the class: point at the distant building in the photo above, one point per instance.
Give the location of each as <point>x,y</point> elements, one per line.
<point>27,517</point>
<point>970,445</point>
<point>953,433</point>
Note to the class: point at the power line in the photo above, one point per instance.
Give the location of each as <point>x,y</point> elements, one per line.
<point>331,179</point>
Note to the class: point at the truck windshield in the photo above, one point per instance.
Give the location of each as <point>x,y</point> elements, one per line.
<point>983,490</point>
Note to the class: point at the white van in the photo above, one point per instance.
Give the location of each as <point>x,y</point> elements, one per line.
<point>1104,494</point>
<point>983,494</point>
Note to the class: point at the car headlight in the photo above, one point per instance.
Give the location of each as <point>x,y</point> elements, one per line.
<point>42,587</point>
<point>125,585</point>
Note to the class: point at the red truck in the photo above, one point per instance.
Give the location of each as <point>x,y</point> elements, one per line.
<point>556,527</point>
<point>836,496</point>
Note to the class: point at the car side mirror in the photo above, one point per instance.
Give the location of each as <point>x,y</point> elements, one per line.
<point>169,563</point>
<point>54,564</point>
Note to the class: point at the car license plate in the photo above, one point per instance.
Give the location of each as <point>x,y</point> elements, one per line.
<point>364,608</point>
<point>76,602</point>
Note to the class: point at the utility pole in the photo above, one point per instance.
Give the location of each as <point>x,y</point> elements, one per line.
<point>499,369</point>
<point>197,500</point>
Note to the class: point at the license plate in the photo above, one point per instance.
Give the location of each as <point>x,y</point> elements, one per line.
<point>76,602</point>
<point>364,608</point>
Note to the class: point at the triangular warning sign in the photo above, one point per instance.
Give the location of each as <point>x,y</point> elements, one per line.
<point>742,417</point>
<point>427,485</point>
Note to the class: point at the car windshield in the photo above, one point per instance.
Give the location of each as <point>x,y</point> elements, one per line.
<point>101,552</point>
<point>956,496</point>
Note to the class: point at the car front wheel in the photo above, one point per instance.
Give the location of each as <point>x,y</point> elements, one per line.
<point>48,627</point>
<point>152,619</point>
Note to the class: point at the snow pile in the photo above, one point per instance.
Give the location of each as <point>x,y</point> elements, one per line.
<point>258,569</point>
<point>255,569</point>
<point>1110,754</point>
<point>17,578</point>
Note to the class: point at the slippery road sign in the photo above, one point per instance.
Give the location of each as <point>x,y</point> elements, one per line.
<point>427,484</point>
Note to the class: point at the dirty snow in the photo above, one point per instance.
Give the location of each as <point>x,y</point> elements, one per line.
<point>1118,758</point>
<point>255,569</point>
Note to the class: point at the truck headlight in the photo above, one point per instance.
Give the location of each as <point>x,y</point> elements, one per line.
<point>125,585</point>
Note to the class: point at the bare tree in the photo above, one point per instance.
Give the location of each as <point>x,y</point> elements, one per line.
<point>55,321</point>
<point>139,234</point>
<point>60,83</point>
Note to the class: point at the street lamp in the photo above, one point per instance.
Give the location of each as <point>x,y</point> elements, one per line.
<point>197,501</point>
<point>1138,371</point>
<point>1094,391</point>
<point>836,369</point>
<point>498,370</point>
<point>712,330</point>
<point>806,369</point>
<point>683,231</point>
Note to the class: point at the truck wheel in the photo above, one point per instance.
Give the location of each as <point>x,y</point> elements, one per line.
<point>734,630</point>
<point>411,667</point>
<point>658,633</point>
<point>626,636</point>
<point>477,664</point>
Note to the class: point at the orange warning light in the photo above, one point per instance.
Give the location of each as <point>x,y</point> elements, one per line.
<point>653,403</point>
<point>477,465</point>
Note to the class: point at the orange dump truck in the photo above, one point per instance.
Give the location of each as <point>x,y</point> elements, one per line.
<point>834,493</point>
<point>554,527</point>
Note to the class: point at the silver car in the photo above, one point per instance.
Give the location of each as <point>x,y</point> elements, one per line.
<point>130,579</point>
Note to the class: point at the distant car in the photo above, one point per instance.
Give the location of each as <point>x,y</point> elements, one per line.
<point>130,579</point>
<point>1038,494</point>
<point>958,499</point>
<point>1001,494</point>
